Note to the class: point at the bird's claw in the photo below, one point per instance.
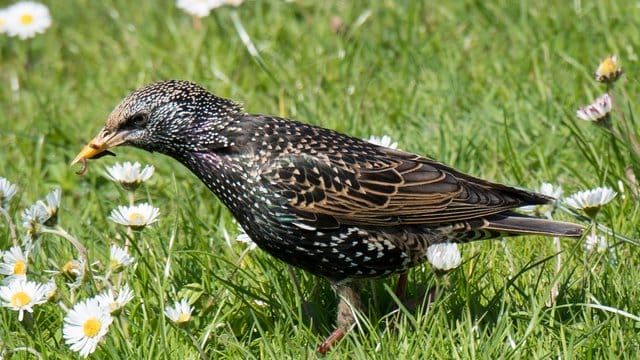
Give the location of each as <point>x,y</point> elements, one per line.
<point>82,170</point>
<point>83,160</point>
<point>328,343</point>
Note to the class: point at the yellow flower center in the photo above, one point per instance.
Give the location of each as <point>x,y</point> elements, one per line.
<point>26,19</point>
<point>91,327</point>
<point>19,268</point>
<point>608,67</point>
<point>51,293</point>
<point>20,299</point>
<point>69,268</point>
<point>136,219</point>
<point>183,318</point>
<point>128,176</point>
<point>1,26</point>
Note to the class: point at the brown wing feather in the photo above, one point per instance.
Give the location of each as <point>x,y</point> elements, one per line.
<point>393,188</point>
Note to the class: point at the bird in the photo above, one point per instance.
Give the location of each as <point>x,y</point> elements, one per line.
<point>339,207</point>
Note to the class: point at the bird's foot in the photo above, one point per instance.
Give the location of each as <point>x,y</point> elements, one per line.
<point>349,303</point>
<point>331,340</point>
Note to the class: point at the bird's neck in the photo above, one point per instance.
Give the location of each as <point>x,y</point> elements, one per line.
<point>221,176</point>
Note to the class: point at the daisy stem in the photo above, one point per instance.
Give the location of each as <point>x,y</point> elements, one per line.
<point>131,194</point>
<point>132,198</point>
<point>12,227</point>
<point>15,85</point>
<point>197,22</point>
<point>242,255</point>
<point>30,350</point>
<point>107,275</point>
<point>554,287</point>
<point>119,280</point>
<point>203,356</point>
<point>472,261</point>
<point>81,249</point>
<point>594,228</point>
<point>27,321</point>
<point>63,234</point>
<point>438,286</point>
<point>127,241</point>
<point>124,326</point>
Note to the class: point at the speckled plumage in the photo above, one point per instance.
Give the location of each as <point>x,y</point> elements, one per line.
<point>334,205</point>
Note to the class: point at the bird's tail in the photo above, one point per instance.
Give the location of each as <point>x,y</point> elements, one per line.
<point>519,224</point>
<point>513,224</point>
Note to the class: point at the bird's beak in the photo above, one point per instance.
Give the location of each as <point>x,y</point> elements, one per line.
<point>99,146</point>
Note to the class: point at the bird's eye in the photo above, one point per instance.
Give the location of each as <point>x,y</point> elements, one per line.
<point>137,121</point>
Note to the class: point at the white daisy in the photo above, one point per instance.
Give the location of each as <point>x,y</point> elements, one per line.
<point>22,295</point>
<point>33,217</point>
<point>609,70</point>
<point>180,313</point>
<point>595,243</point>
<point>7,189</point>
<point>260,302</point>
<point>548,209</point>
<point>444,256</point>
<point>85,325</point>
<point>75,270</point>
<point>119,258</point>
<point>72,268</point>
<point>590,201</point>
<point>199,8</point>
<point>244,238</point>
<point>27,18</point>
<point>50,289</point>
<point>597,111</point>
<point>129,175</point>
<point>27,243</point>
<point>51,206</point>
<point>14,264</point>
<point>235,3</point>
<point>4,19</point>
<point>113,304</point>
<point>384,140</point>
<point>136,217</point>
<point>550,190</point>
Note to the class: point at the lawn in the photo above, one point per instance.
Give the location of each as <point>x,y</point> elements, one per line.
<point>490,88</point>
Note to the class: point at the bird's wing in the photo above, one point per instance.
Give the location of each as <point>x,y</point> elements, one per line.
<point>393,188</point>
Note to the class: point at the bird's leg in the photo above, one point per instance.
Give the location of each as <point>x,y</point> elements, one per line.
<point>427,297</point>
<point>348,305</point>
<point>401,294</point>
<point>401,287</point>
<point>305,304</point>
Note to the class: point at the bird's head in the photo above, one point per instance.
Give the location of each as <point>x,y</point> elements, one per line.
<point>171,117</point>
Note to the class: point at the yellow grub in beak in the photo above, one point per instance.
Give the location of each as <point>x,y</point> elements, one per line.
<point>98,147</point>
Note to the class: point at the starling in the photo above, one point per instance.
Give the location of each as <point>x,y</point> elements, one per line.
<point>334,205</point>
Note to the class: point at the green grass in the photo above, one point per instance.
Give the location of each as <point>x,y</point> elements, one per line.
<point>490,88</point>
